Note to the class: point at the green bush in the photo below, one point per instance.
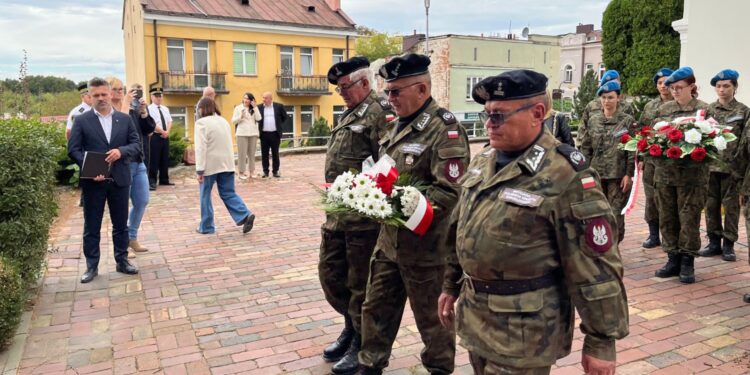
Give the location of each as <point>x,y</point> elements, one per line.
<point>317,132</point>
<point>586,93</point>
<point>177,146</point>
<point>67,169</point>
<point>11,301</point>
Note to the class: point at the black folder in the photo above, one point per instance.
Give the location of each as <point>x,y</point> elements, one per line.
<point>94,164</point>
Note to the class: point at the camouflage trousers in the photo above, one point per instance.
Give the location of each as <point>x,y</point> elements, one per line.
<point>617,199</point>
<point>343,269</point>
<point>680,217</point>
<point>482,366</point>
<point>722,191</point>
<point>651,212</point>
<point>389,285</point>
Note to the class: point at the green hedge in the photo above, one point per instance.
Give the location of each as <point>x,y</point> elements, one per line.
<point>11,301</point>
<point>177,146</point>
<point>30,153</point>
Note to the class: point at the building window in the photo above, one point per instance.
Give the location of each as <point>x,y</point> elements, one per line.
<point>287,67</point>
<point>307,114</point>
<point>470,82</point>
<point>602,69</point>
<point>589,67</point>
<point>176,55</point>
<point>338,111</point>
<point>179,119</point>
<point>200,63</point>
<point>306,61</point>
<point>245,59</point>
<point>288,127</point>
<point>568,73</point>
<point>338,55</point>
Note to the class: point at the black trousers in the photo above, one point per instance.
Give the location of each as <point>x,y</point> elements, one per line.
<point>270,140</point>
<point>95,195</point>
<point>158,159</point>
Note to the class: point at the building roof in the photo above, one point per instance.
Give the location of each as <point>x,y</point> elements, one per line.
<point>278,12</point>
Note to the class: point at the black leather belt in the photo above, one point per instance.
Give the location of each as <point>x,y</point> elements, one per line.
<point>511,287</point>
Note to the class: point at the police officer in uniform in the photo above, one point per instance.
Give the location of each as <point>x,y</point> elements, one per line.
<point>649,113</point>
<point>680,189</point>
<point>429,144</point>
<point>722,185</point>
<point>348,240</point>
<point>600,147</point>
<point>535,238</point>
<point>85,105</point>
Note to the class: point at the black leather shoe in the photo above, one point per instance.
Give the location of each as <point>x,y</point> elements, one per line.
<point>687,269</point>
<point>349,364</point>
<point>265,175</point>
<point>713,248</point>
<point>653,236</point>
<point>369,371</point>
<point>166,183</point>
<point>727,251</point>
<point>89,275</point>
<point>746,298</point>
<point>247,224</point>
<point>125,267</point>
<point>276,174</point>
<point>335,351</point>
<point>151,187</point>
<point>672,268</point>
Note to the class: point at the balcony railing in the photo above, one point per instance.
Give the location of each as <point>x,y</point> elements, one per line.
<point>295,85</point>
<point>192,83</point>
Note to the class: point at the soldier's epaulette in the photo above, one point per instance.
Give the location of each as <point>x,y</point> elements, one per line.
<point>384,103</point>
<point>446,115</point>
<point>81,110</point>
<point>574,157</point>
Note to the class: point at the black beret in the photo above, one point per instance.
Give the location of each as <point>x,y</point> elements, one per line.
<point>408,65</point>
<point>83,88</point>
<point>155,91</point>
<point>347,67</point>
<point>512,85</point>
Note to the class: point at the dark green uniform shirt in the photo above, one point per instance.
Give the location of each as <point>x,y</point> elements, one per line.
<point>600,145</point>
<point>734,114</point>
<point>666,172</point>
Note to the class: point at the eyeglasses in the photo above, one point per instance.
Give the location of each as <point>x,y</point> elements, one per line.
<point>397,92</point>
<point>674,88</point>
<point>341,88</point>
<point>498,119</point>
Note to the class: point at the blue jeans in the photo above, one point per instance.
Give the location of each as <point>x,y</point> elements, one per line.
<point>237,208</point>
<point>139,198</point>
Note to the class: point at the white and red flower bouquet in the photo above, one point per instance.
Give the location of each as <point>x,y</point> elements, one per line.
<point>685,140</point>
<point>380,194</point>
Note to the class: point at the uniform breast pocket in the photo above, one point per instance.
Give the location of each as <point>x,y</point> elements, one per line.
<point>604,307</point>
<point>507,225</point>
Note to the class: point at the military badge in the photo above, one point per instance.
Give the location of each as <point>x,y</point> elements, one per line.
<point>454,169</point>
<point>394,72</point>
<point>409,159</point>
<point>521,197</point>
<point>535,157</point>
<point>588,182</point>
<point>499,91</point>
<point>424,121</point>
<point>482,92</point>
<point>452,134</point>
<point>447,116</point>
<point>357,128</point>
<point>362,109</point>
<point>599,235</point>
<point>577,158</point>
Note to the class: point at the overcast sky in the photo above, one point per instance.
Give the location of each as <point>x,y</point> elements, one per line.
<point>80,39</point>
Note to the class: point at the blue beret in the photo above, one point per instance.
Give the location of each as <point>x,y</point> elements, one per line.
<point>663,72</point>
<point>411,64</point>
<point>726,74</point>
<point>347,67</point>
<point>512,85</point>
<point>608,87</point>
<point>679,75</point>
<point>609,75</point>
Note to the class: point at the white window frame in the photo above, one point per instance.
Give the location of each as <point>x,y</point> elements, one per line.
<point>290,110</point>
<point>304,112</point>
<point>602,69</point>
<point>588,67</point>
<point>182,53</point>
<point>174,112</point>
<point>470,83</point>
<point>312,61</point>
<point>244,53</point>
<point>337,114</point>
<point>335,57</point>
<point>568,71</point>
<point>208,60</point>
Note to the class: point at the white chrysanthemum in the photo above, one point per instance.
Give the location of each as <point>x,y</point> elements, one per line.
<point>377,194</point>
<point>720,143</point>
<point>349,198</point>
<point>660,125</point>
<point>383,210</point>
<point>693,136</point>
<point>409,200</point>
<point>362,180</point>
<point>705,126</point>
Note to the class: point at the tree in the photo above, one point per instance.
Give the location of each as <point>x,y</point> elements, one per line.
<point>586,92</point>
<point>377,45</point>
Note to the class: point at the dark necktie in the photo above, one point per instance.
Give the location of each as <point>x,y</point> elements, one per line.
<point>161,115</point>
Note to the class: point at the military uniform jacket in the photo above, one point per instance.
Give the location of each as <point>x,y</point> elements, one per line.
<point>353,140</point>
<point>434,150</point>
<point>734,114</point>
<point>599,145</point>
<point>666,172</point>
<point>542,214</point>
<point>594,107</point>
<point>649,113</point>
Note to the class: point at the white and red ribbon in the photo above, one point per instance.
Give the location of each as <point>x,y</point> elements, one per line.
<point>419,222</point>
<point>383,172</point>
<point>633,191</point>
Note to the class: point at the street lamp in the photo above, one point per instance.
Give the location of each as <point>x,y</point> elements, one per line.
<point>427,29</point>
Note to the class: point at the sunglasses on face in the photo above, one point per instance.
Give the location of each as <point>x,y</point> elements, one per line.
<point>498,118</point>
<point>341,88</point>
<point>397,92</point>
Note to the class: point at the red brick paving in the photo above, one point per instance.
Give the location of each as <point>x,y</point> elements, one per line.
<point>251,304</point>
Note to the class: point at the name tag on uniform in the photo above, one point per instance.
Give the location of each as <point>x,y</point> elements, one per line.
<point>734,118</point>
<point>620,133</point>
<point>357,128</point>
<point>521,197</point>
<point>413,148</point>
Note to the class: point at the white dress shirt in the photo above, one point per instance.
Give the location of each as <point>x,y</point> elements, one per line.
<point>75,112</point>
<point>153,111</point>
<point>269,120</point>
<point>106,122</point>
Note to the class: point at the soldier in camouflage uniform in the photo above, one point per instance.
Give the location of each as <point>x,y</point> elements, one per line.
<point>722,185</point>
<point>649,113</point>
<point>615,166</point>
<point>431,146</point>
<point>680,190</point>
<point>595,106</point>
<point>348,240</point>
<point>534,238</point>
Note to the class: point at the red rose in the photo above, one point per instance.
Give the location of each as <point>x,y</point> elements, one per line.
<point>674,152</point>
<point>726,130</point>
<point>646,131</point>
<point>698,154</point>
<point>642,145</point>
<point>674,135</point>
<point>625,138</point>
<point>712,134</point>
<point>654,150</point>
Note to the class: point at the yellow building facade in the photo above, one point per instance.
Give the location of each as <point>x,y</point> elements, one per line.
<point>183,53</point>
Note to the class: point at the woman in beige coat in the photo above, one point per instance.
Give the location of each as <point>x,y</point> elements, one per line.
<point>245,119</point>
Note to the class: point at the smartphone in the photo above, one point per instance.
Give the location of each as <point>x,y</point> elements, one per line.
<point>138,94</point>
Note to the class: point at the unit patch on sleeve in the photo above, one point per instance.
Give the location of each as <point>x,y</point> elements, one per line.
<point>599,235</point>
<point>454,169</point>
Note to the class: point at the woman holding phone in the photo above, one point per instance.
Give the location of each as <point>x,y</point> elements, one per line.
<point>245,119</point>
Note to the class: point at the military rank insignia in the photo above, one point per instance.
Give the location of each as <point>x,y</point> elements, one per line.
<point>454,169</point>
<point>599,235</point>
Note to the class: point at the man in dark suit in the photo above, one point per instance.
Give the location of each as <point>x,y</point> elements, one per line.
<point>107,131</point>
<point>272,116</point>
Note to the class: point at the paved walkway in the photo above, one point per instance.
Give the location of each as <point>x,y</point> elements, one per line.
<point>251,304</point>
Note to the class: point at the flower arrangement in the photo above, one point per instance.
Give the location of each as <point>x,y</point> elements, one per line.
<point>685,140</point>
<point>380,194</point>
